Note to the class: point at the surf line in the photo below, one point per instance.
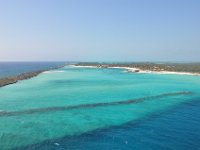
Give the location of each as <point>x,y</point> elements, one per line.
<point>87,106</point>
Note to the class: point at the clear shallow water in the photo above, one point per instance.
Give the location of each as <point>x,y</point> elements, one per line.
<point>38,115</point>
<point>177,128</point>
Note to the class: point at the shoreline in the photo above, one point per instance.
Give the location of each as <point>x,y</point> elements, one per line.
<point>24,76</point>
<point>138,70</point>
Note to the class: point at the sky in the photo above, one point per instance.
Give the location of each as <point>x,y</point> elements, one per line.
<point>100,30</point>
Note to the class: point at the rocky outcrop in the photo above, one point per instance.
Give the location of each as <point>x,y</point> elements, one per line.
<point>13,79</point>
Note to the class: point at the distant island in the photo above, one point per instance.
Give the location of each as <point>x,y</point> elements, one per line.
<point>177,68</point>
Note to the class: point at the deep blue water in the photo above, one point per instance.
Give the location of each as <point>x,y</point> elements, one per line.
<point>14,68</point>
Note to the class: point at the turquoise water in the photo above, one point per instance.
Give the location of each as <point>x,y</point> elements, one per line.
<point>63,105</point>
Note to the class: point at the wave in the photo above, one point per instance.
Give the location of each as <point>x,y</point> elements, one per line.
<point>50,72</point>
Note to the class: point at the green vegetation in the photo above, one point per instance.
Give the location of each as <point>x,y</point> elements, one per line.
<point>176,67</point>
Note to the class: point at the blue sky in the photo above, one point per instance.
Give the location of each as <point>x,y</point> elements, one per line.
<point>100,30</point>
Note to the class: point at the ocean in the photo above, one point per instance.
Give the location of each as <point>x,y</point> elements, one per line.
<point>15,68</point>
<point>101,108</point>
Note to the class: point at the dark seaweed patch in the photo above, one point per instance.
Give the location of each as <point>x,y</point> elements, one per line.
<point>87,106</point>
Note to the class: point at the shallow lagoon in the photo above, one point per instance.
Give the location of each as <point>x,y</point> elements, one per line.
<point>69,86</point>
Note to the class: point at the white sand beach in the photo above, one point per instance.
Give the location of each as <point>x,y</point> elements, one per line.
<point>138,70</point>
